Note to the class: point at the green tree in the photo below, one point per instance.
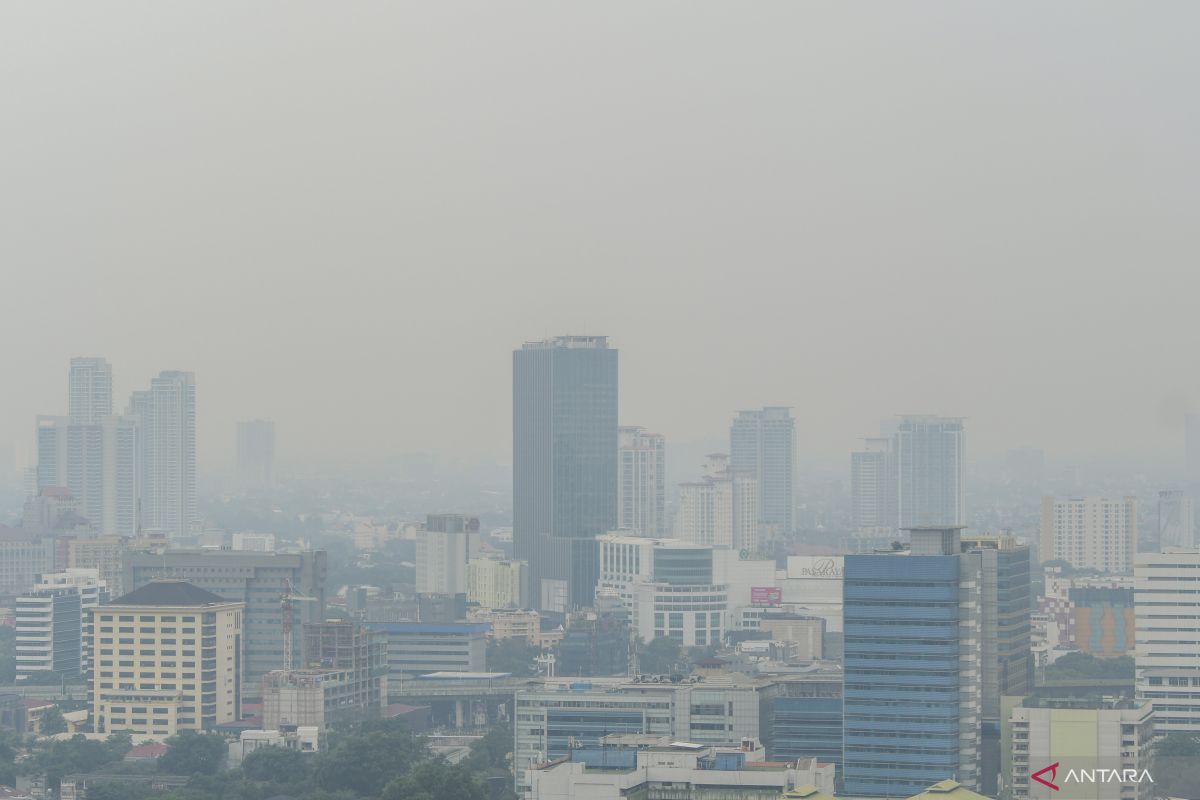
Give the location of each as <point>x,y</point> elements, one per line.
<point>193,753</point>
<point>368,761</point>
<point>491,752</point>
<point>53,722</point>
<point>436,780</point>
<point>1085,667</point>
<point>119,790</point>
<point>511,655</point>
<point>276,765</point>
<point>8,655</point>
<point>56,758</point>
<point>1177,765</point>
<point>660,657</point>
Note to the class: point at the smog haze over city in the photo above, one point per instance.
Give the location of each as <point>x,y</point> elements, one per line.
<point>345,220</point>
<point>540,401</point>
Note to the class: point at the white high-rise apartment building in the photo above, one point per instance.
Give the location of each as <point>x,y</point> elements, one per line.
<point>1176,520</point>
<point>91,452</point>
<point>445,546</point>
<point>89,391</point>
<point>642,482</point>
<point>928,459</point>
<point>872,489</point>
<point>1167,613</point>
<point>762,444</point>
<point>167,416</point>
<point>1090,532</point>
<point>721,509</point>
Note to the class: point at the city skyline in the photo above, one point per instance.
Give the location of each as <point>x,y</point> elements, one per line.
<point>822,268</point>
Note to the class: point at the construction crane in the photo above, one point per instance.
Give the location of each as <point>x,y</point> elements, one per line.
<point>288,597</point>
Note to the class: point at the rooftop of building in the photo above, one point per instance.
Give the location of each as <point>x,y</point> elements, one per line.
<point>569,341</point>
<point>807,792</point>
<point>170,592</point>
<point>429,627</point>
<point>948,790</point>
<point>1085,702</point>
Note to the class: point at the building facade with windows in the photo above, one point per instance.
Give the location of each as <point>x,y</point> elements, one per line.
<point>257,580</point>
<point>913,664</point>
<point>1167,614</point>
<point>1090,532</point>
<point>564,464</point>
<point>168,659</point>
<point>642,484</point>
<point>565,714</point>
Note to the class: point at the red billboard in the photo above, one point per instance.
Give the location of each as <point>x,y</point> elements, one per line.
<point>766,595</point>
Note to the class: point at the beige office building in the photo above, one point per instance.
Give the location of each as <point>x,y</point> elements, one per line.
<point>167,660</point>
<point>494,584</point>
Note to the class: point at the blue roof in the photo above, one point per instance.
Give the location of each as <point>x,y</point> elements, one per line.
<point>421,627</point>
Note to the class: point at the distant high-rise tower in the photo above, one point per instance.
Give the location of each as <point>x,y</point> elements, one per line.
<point>1191,445</point>
<point>762,443</point>
<point>1176,520</point>
<point>89,391</point>
<point>256,454</point>
<point>91,452</point>
<point>167,414</point>
<point>642,483</point>
<point>928,454</point>
<point>1090,532</point>
<point>721,509</point>
<point>445,546</point>
<point>564,464</point>
<point>872,487</point>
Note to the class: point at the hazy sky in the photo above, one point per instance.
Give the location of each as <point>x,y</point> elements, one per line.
<point>344,216</point>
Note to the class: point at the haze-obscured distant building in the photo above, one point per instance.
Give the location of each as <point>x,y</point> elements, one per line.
<point>564,464</point>
<point>256,454</point>
<point>928,453</point>
<point>721,509</point>
<point>872,487</point>
<point>642,484</point>
<point>495,584</point>
<point>762,444</point>
<point>1176,520</point>
<point>445,545</point>
<point>1090,532</point>
<point>167,417</point>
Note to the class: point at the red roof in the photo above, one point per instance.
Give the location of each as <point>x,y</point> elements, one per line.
<point>31,703</point>
<point>146,752</point>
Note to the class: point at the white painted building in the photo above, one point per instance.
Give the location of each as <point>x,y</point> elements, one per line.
<point>444,547</point>
<point>721,509</point>
<point>1090,532</point>
<point>565,714</point>
<point>642,482</point>
<point>676,770</point>
<point>1167,613</point>
<point>813,585</point>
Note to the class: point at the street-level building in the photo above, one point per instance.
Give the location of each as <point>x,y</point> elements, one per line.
<point>168,657</point>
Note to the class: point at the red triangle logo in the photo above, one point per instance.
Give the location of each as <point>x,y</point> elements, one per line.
<point>1053,770</point>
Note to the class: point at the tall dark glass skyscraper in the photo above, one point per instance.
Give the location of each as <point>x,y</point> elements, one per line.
<point>564,464</point>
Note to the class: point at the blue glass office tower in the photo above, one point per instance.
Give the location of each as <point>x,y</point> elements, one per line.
<point>912,689</point>
<point>564,464</point>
